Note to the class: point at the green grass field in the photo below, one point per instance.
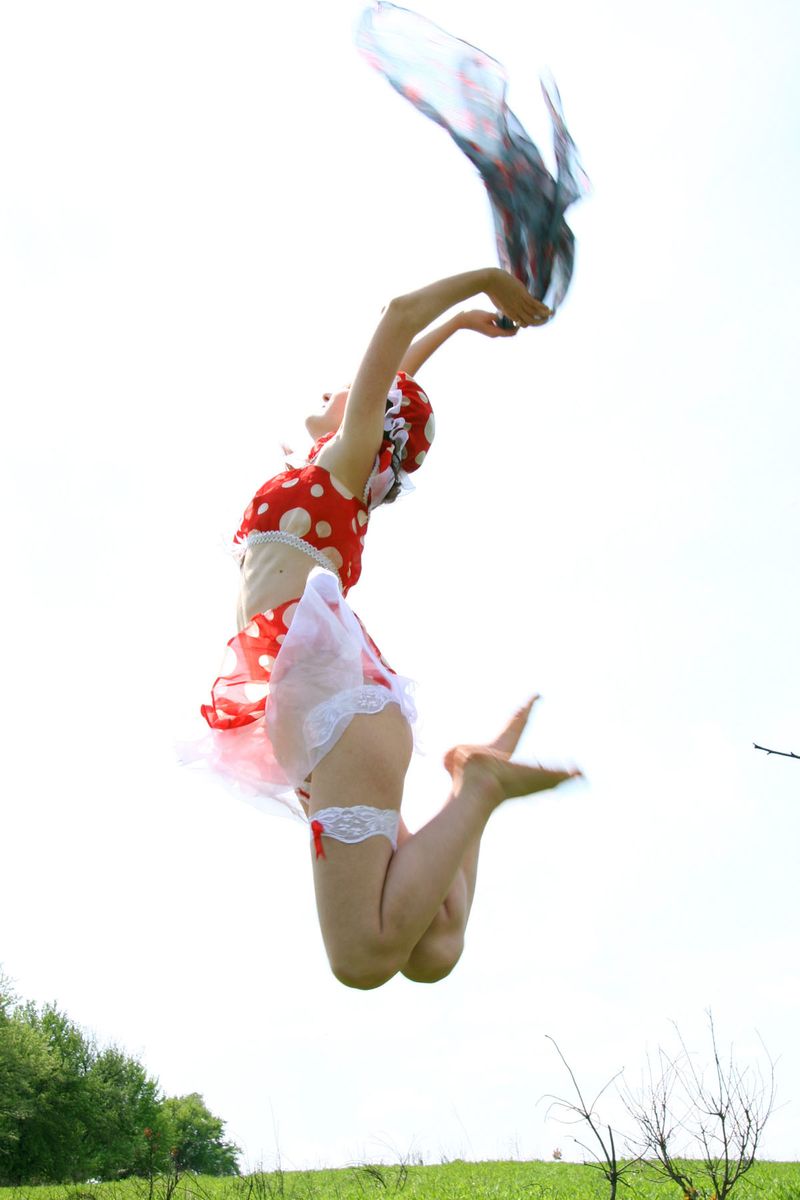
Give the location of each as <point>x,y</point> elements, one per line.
<point>450,1181</point>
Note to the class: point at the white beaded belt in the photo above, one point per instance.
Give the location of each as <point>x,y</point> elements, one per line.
<point>288,539</point>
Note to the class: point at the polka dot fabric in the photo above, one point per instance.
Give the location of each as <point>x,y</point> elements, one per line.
<point>418,421</point>
<point>265,688</point>
<point>311,504</point>
<point>409,428</point>
<point>239,695</point>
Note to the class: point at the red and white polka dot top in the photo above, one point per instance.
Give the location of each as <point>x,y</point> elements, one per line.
<point>312,510</point>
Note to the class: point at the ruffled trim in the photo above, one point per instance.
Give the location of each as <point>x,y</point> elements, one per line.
<point>322,722</point>
<point>395,440</point>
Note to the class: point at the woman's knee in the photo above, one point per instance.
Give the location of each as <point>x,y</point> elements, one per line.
<point>364,971</point>
<point>433,958</point>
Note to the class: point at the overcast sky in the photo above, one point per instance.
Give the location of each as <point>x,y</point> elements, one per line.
<point>204,208</point>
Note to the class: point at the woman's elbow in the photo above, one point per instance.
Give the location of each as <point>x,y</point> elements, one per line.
<point>402,311</point>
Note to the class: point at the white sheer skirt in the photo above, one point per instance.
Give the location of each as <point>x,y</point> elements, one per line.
<point>326,671</point>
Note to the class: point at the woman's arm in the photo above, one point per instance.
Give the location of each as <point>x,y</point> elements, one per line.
<point>510,296</point>
<point>476,319</point>
<point>420,351</point>
<point>351,453</point>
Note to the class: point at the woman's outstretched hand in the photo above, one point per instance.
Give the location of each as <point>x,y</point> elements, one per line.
<point>487,323</point>
<point>514,300</point>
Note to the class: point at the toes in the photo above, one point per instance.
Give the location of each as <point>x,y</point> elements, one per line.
<point>520,779</point>
<point>507,740</point>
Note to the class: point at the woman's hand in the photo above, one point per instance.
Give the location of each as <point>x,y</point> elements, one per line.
<point>515,301</point>
<point>485,322</point>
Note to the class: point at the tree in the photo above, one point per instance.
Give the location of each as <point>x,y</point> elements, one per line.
<point>607,1161</point>
<point>71,1111</point>
<point>721,1111</point>
<point>196,1139</point>
<point>50,1139</point>
<point>67,1110</point>
<point>124,1102</point>
<point>678,1112</point>
<point>24,1066</point>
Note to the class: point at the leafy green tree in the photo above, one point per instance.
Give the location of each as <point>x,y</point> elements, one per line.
<point>51,1143</point>
<point>24,1069</point>
<point>69,1111</point>
<point>8,998</point>
<point>24,1066</point>
<point>124,1102</point>
<point>196,1137</point>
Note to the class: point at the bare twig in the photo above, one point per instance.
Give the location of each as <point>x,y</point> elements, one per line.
<point>783,753</point>
<point>607,1162</point>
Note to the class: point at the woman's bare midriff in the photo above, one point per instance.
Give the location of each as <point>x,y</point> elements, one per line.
<point>272,573</point>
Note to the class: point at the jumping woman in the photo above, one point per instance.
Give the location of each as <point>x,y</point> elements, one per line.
<point>306,709</point>
<point>306,706</point>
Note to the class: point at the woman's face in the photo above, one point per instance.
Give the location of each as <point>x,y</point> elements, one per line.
<point>328,416</point>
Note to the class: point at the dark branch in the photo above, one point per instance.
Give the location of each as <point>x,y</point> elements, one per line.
<point>783,753</point>
<point>607,1163</point>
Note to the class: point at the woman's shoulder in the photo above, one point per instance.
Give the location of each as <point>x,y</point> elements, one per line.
<point>323,472</point>
<point>314,478</point>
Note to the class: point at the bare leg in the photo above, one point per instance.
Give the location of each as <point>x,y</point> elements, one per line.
<point>375,905</point>
<point>442,943</point>
<point>441,946</point>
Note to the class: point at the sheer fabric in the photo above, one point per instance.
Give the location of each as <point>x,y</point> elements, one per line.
<point>464,91</point>
<point>293,680</point>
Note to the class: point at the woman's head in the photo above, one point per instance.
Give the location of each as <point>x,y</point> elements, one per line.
<point>407,435</point>
<point>328,417</point>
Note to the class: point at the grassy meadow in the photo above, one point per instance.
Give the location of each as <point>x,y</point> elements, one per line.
<point>449,1181</point>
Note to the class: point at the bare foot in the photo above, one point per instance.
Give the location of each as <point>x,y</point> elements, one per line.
<point>489,768</point>
<point>494,774</point>
<point>506,741</point>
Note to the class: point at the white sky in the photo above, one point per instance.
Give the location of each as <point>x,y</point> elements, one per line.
<point>205,206</point>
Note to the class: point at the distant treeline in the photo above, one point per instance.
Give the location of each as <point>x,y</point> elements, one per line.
<point>71,1110</point>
